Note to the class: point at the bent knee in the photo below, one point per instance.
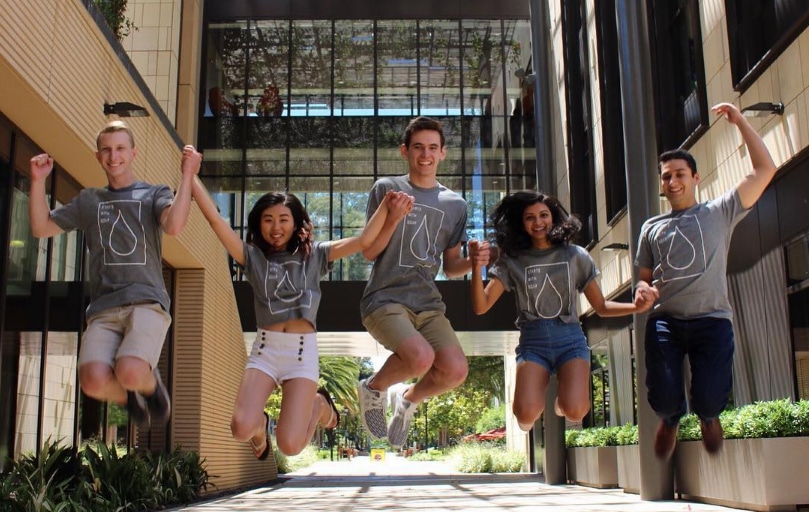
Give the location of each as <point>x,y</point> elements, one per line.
<point>575,412</point>
<point>94,380</point>
<point>527,414</point>
<point>289,445</point>
<point>243,427</point>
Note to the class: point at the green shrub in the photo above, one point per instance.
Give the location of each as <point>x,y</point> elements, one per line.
<point>483,458</point>
<point>599,436</point>
<point>100,479</point>
<point>777,418</point>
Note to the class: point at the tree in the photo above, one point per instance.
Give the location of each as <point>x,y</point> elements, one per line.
<point>114,12</point>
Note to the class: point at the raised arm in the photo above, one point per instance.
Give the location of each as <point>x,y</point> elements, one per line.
<point>394,207</point>
<point>223,231</point>
<point>482,298</point>
<point>174,218</point>
<point>753,185</point>
<point>382,239</point>
<point>42,226</point>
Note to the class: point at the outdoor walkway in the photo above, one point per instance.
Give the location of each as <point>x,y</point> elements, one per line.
<point>401,484</point>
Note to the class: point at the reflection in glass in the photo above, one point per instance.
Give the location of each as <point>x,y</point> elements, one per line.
<point>397,68</point>
<point>26,417</point>
<point>354,68</point>
<point>439,68</point>
<point>311,69</point>
<point>59,403</point>
<point>267,43</point>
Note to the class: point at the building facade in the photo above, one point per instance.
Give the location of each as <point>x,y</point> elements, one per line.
<point>312,98</point>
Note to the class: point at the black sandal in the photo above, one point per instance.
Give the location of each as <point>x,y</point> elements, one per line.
<point>322,391</point>
<point>266,452</point>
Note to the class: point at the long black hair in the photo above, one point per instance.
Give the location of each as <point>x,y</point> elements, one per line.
<point>302,238</point>
<point>509,232</point>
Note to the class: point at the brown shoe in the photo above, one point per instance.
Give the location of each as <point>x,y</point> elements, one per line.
<point>665,440</point>
<point>711,435</point>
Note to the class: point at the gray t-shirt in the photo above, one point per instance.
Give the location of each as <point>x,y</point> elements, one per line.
<point>123,233</point>
<point>688,252</point>
<point>286,286</point>
<point>404,273</point>
<point>546,281</point>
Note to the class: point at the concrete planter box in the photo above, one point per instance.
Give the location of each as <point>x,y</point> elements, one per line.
<point>756,474</point>
<point>629,468</point>
<point>593,467</point>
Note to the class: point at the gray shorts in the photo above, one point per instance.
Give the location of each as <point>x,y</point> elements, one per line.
<point>392,324</point>
<point>137,330</point>
<point>285,355</point>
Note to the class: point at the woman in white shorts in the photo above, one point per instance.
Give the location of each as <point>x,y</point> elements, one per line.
<point>284,267</point>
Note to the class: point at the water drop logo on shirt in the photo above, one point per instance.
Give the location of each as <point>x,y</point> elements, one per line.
<point>548,289</point>
<point>123,236</point>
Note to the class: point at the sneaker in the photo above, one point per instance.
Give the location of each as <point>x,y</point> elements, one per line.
<point>138,409</point>
<point>372,410</point>
<point>400,423</point>
<point>712,436</point>
<point>159,403</point>
<point>665,440</point>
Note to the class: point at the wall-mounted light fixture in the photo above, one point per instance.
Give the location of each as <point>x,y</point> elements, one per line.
<point>125,109</point>
<point>763,109</point>
<point>616,246</point>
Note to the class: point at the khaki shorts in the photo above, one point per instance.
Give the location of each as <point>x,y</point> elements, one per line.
<point>392,324</point>
<point>137,330</point>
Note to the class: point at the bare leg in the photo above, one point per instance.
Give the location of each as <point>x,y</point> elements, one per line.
<point>98,381</point>
<point>248,422</point>
<point>301,411</point>
<point>135,374</point>
<point>448,371</point>
<point>574,389</point>
<point>413,358</point>
<point>529,393</point>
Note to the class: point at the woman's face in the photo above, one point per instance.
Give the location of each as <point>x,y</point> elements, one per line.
<point>537,222</point>
<point>277,226</point>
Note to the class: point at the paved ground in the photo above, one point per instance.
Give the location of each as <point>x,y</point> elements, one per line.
<point>401,484</point>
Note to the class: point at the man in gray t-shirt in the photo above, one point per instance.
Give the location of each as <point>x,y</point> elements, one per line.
<point>401,306</point>
<point>123,224</point>
<point>683,253</point>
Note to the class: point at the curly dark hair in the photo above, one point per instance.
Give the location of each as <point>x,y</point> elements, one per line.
<point>302,239</point>
<point>509,232</point>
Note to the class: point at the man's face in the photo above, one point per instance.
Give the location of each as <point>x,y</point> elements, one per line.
<point>115,153</point>
<point>678,183</point>
<point>425,152</point>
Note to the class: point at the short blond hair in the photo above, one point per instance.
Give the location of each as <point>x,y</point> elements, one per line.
<point>112,127</point>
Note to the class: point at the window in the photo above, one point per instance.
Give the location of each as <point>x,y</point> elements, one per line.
<point>579,115</point>
<point>678,73</point>
<point>612,119</point>
<point>758,30</point>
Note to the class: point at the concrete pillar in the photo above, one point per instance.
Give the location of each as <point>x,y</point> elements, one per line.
<point>640,148</point>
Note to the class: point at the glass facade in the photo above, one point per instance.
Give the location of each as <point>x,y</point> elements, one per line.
<point>318,107</point>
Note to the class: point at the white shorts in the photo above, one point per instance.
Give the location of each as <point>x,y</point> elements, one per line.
<point>285,355</point>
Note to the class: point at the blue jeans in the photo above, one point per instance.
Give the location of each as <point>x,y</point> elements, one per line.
<point>708,343</point>
<point>551,343</point>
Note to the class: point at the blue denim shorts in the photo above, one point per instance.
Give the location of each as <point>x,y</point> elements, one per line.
<point>551,343</point>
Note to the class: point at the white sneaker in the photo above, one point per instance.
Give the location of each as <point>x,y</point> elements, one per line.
<point>400,423</point>
<point>373,405</point>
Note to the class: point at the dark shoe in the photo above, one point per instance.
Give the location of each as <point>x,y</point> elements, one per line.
<point>138,409</point>
<point>712,436</point>
<point>159,402</point>
<point>665,440</point>
<point>322,391</point>
<point>263,451</point>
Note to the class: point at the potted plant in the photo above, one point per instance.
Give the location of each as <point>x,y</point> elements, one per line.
<point>628,458</point>
<point>762,464</point>
<point>592,457</point>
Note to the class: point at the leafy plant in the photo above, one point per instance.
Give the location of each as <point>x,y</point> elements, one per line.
<point>114,12</point>
<point>483,458</point>
<point>776,418</point>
